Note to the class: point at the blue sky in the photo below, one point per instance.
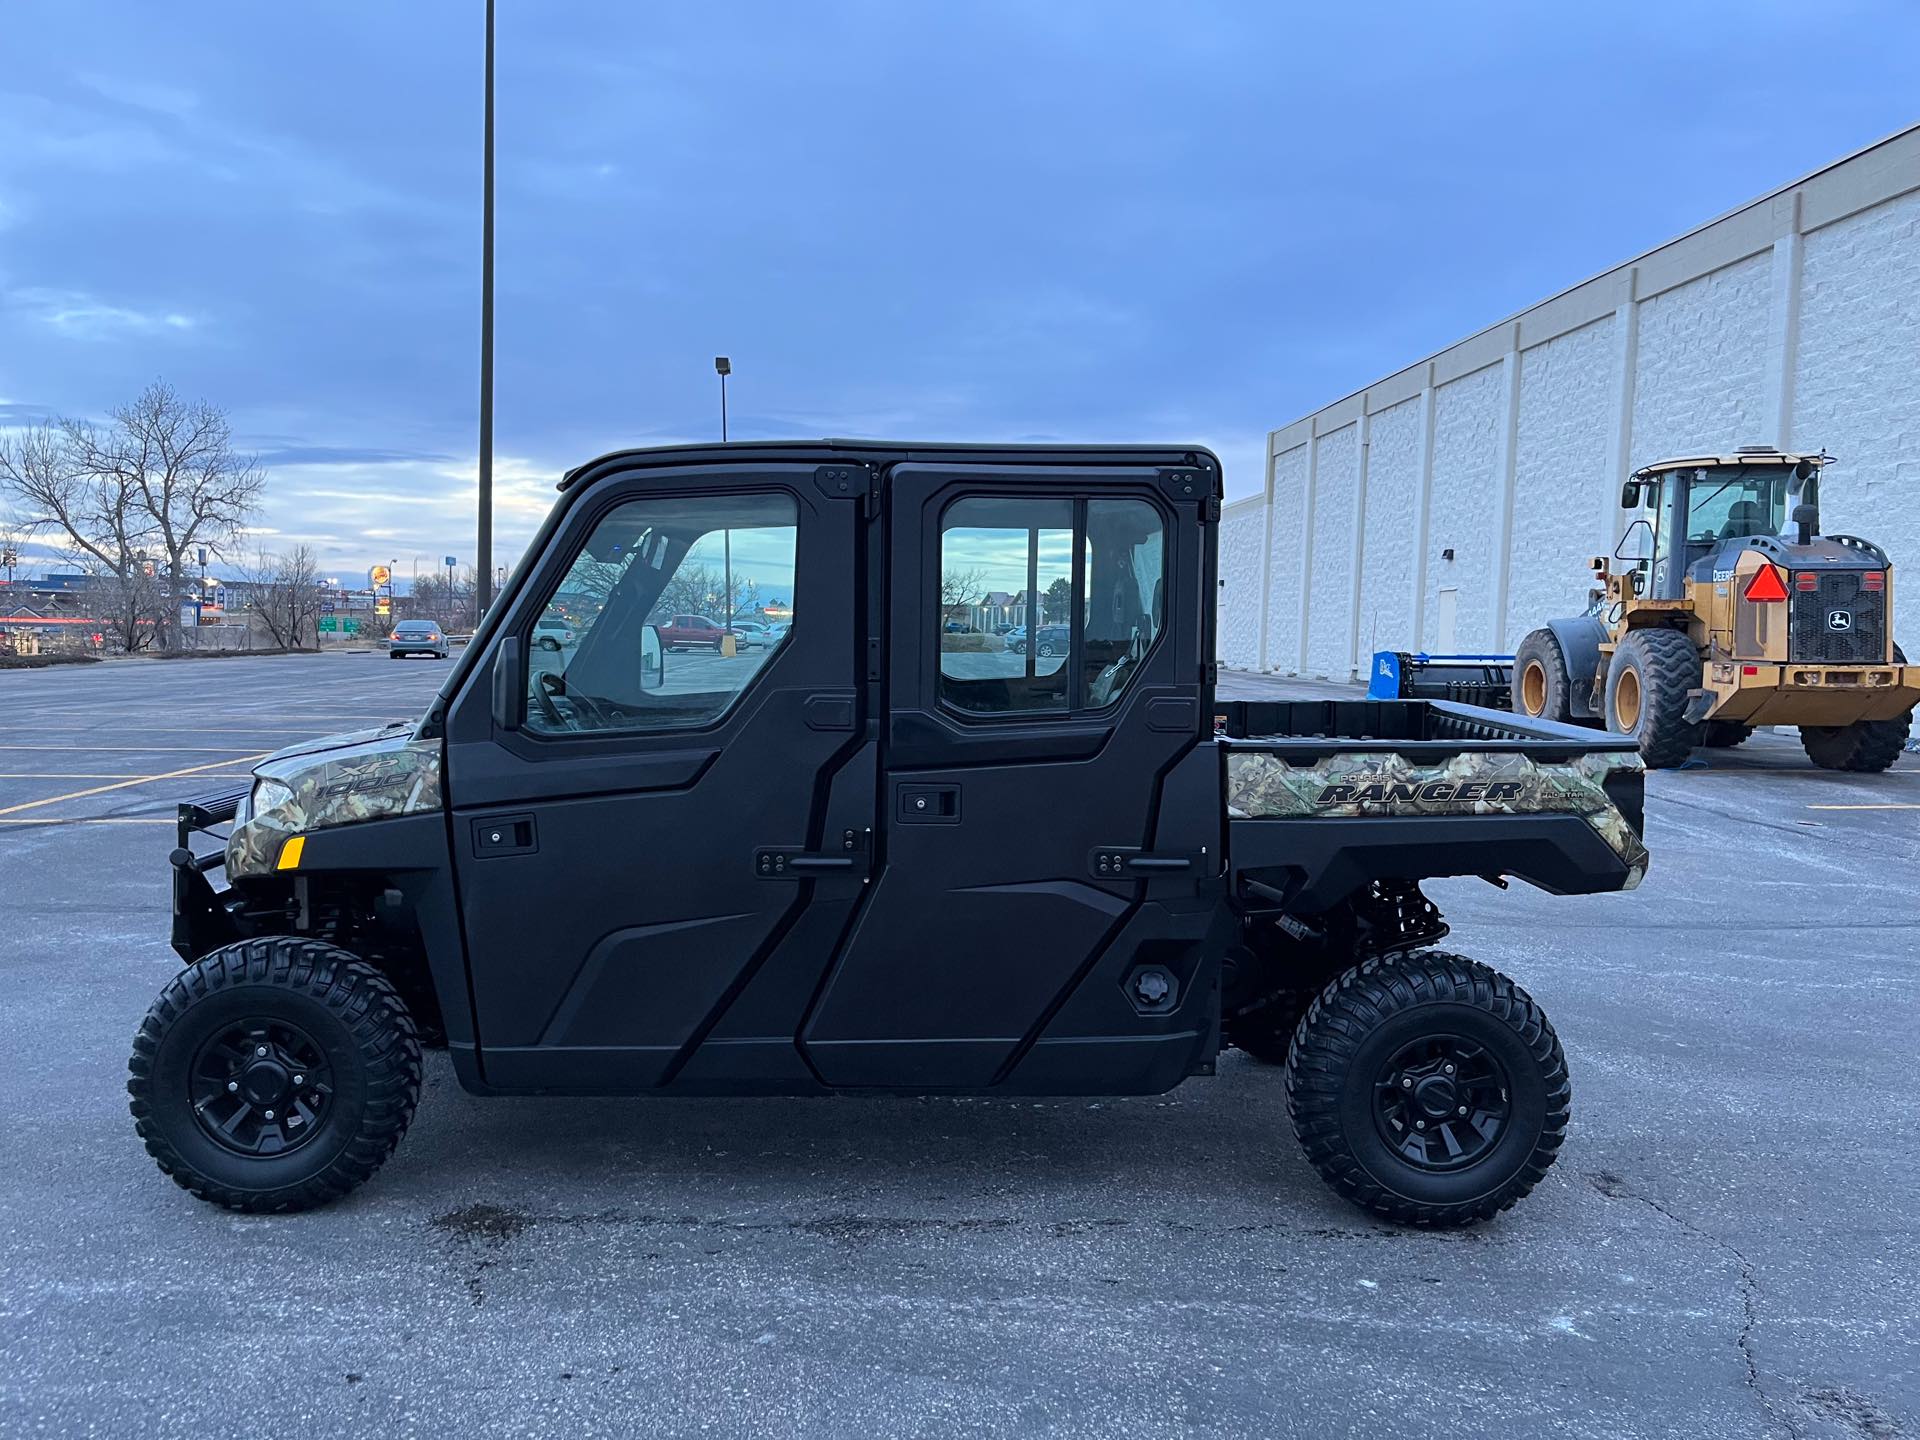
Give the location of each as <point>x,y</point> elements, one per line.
<point>1060,220</point>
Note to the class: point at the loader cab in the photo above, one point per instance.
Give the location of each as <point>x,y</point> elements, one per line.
<point>1692,507</point>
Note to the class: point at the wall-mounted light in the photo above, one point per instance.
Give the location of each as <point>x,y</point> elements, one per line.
<point>1447,554</point>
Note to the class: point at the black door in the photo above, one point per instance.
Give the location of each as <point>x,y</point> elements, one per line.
<point>639,835</point>
<point>1051,813</point>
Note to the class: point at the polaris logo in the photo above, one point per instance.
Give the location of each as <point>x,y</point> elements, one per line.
<point>1840,620</point>
<point>1400,792</point>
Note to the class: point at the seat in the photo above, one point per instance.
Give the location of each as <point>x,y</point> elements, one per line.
<point>1745,518</point>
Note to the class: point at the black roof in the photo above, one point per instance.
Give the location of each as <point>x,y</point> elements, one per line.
<point>825,452</point>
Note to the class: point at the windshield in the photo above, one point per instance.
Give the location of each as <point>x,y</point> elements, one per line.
<point>1748,502</point>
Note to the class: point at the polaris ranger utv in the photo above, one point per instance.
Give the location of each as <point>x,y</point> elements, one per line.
<point>885,854</point>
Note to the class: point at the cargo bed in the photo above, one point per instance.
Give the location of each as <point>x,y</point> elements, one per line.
<point>1324,796</point>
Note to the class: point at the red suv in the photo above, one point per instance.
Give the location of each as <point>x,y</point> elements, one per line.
<point>691,632</point>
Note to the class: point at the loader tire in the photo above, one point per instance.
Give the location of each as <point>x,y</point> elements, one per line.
<point>1725,734</point>
<point>1647,695</point>
<point>276,1074</point>
<point>1540,682</point>
<point>1866,745</point>
<point>1428,1088</point>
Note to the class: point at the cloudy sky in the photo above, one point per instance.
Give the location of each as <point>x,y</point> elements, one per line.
<point>917,218</point>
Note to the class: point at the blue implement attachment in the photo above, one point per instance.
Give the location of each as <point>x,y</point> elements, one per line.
<point>1485,680</point>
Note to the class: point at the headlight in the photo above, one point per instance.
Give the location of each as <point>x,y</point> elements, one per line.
<point>272,801</point>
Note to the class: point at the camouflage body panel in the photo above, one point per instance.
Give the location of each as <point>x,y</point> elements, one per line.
<point>343,780</point>
<point>1261,785</point>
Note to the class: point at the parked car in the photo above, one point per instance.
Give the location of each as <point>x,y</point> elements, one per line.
<point>417,637</point>
<point>1051,640</point>
<point>552,633</point>
<point>960,627</point>
<point>692,632</point>
<point>777,631</point>
<point>1014,637</point>
<point>752,635</point>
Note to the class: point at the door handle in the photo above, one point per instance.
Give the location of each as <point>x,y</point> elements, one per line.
<point>781,862</point>
<point>1106,862</point>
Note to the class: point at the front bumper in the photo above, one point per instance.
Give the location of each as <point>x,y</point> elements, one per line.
<point>201,919</point>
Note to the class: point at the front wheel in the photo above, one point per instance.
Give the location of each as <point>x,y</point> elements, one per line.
<point>1428,1088</point>
<point>275,1074</point>
<point>1649,686</point>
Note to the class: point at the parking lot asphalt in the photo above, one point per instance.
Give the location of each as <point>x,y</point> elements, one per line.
<point>1727,1246</point>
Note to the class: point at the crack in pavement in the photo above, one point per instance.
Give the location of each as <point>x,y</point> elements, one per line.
<point>1614,1187</point>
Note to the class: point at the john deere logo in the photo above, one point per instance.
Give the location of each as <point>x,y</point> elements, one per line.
<point>1839,619</point>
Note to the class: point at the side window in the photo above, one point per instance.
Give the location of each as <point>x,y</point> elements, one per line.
<point>640,632</point>
<point>1045,604</point>
<point>1126,564</point>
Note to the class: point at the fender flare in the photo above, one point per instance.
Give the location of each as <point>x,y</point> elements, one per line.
<point>1580,638</point>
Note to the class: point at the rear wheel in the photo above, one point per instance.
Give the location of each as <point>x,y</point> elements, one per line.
<point>1648,687</point>
<point>1540,681</point>
<point>275,1074</point>
<point>1428,1088</point>
<point>1865,745</point>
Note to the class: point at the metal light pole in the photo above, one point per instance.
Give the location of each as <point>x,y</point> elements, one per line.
<point>723,367</point>
<point>482,590</point>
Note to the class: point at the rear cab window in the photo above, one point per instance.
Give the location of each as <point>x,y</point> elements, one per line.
<point>1046,605</point>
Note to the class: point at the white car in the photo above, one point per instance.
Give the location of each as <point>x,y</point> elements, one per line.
<point>752,635</point>
<point>550,633</point>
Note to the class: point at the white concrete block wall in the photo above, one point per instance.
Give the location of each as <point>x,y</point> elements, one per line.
<point>1467,418</point>
<point>1286,559</point>
<point>1393,501</point>
<point>1560,464</point>
<point>1857,386</point>
<point>1330,606</point>
<point>1243,536</point>
<point>1794,320</point>
<point>1698,386</point>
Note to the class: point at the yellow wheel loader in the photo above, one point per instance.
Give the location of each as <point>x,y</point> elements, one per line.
<point>1723,609</point>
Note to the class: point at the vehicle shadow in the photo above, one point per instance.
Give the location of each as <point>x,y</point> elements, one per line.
<point>1225,1140</point>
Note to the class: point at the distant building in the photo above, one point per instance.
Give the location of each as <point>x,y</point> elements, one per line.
<point>1453,505</point>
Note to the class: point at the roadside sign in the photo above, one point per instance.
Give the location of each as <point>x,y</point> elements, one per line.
<point>379,575</point>
<point>328,624</point>
<point>449,562</point>
<point>353,626</point>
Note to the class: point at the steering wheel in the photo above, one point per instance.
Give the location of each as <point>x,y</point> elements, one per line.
<point>544,695</point>
<point>553,686</point>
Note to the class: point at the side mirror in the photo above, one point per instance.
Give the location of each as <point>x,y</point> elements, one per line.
<point>509,685</point>
<point>653,658</point>
<point>1630,495</point>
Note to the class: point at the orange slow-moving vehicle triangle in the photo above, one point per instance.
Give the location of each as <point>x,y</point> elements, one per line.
<point>1766,585</point>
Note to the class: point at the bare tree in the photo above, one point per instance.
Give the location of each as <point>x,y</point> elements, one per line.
<point>285,591</point>
<point>145,489</point>
<point>960,591</point>
<point>448,604</point>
